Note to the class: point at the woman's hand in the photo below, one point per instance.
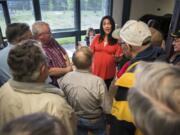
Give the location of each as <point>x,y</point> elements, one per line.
<point>118,58</point>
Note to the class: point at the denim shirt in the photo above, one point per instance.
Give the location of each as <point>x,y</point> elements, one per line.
<point>5,73</point>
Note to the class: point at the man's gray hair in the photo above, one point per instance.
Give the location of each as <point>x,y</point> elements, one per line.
<point>82,58</point>
<point>25,61</point>
<point>155,99</point>
<point>37,27</point>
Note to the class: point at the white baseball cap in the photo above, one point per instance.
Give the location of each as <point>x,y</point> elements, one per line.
<point>135,33</point>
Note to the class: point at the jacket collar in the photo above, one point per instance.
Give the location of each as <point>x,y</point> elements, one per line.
<point>149,54</point>
<point>34,88</point>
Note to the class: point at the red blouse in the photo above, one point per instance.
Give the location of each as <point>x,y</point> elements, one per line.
<point>103,64</point>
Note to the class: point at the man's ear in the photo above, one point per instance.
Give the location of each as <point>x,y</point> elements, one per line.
<point>43,73</point>
<point>18,39</point>
<point>43,69</point>
<point>129,47</point>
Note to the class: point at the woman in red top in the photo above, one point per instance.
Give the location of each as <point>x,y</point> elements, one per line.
<point>106,51</point>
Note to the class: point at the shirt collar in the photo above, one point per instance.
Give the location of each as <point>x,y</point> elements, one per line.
<point>82,70</point>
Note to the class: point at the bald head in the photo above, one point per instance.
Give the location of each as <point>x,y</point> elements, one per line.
<point>82,58</point>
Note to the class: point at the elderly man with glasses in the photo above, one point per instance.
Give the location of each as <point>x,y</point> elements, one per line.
<point>135,38</point>
<point>175,58</point>
<point>59,63</point>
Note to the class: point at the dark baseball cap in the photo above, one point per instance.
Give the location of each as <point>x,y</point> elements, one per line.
<point>176,34</point>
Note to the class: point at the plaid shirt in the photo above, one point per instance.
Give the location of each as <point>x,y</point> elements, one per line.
<point>55,54</point>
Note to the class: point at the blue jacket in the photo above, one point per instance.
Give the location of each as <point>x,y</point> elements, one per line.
<point>175,59</point>
<point>150,54</point>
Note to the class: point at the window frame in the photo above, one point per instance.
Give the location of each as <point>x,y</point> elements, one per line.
<point>59,33</point>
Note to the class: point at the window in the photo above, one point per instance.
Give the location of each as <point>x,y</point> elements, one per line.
<point>91,13</point>
<point>68,44</point>
<point>66,18</point>
<point>21,11</point>
<point>2,20</point>
<point>66,40</point>
<point>58,13</point>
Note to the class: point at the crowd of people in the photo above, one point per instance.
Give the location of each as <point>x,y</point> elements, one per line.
<point>44,92</point>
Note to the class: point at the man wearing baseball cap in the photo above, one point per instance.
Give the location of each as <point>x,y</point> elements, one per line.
<point>175,59</point>
<point>135,38</point>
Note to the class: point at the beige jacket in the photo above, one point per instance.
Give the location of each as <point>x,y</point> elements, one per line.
<point>18,98</point>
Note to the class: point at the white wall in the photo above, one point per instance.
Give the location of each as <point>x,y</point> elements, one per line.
<point>117,11</point>
<point>141,7</point>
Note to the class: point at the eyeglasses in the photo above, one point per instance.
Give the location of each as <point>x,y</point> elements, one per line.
<point>176,40</point>
<point>45,33</point>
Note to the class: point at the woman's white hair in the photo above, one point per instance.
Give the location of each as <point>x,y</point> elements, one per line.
<point>25,61</point>
<point>155,98</point>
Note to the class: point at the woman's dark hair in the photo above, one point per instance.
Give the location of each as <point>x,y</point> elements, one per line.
<point>164,22</point>
<point>34,124</point>
<point>111,40</point>
<point>155,24</point>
